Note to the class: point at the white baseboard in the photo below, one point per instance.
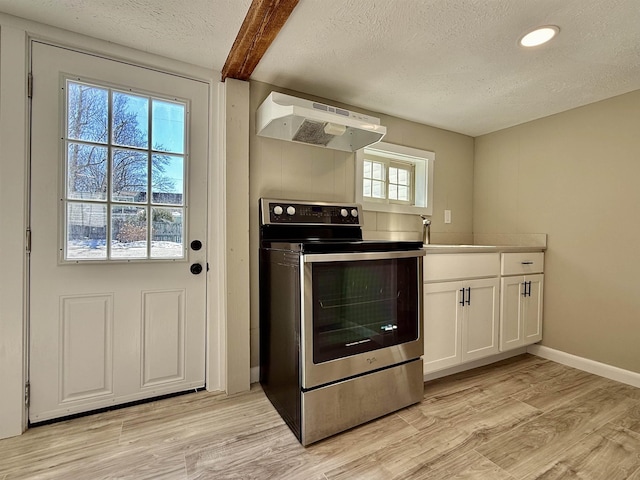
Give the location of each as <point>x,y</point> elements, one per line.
<point>254,375</point>
<point>475,364</point>
<point>591,366</point>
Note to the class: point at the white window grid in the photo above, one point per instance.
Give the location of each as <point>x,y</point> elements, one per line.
<point>102,208</point>
<point>388,180</point>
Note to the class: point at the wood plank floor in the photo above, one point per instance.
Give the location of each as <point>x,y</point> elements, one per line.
<point>524,418</point>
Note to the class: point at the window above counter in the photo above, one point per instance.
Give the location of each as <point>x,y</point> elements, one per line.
<point>394,178</point>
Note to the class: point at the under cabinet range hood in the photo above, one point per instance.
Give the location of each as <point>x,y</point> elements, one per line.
<point>304,121</point>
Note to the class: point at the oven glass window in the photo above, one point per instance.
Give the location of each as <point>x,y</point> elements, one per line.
<point>360,306</point>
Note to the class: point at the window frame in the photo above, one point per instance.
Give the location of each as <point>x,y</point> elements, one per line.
<point>148,205</point>
<point>387,165</point>
<point>383,181</point>
<point>410,168</point>
<point>422,191</point>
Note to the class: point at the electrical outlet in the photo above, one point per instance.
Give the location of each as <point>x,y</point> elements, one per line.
<point>447,216</point>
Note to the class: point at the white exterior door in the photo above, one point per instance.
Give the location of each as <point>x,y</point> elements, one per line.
<point>118,215</point>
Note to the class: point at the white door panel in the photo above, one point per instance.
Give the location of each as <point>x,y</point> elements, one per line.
<point>86,324</point>
<point>103,332</point>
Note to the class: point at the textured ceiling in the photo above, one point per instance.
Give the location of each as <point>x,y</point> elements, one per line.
<point>454,64</point>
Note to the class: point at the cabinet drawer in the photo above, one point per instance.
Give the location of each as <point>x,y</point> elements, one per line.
<point>522,263</point>
<point>455,266</point>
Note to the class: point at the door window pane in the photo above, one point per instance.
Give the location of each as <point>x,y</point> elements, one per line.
<point>167,179</point>
<point>129,232</point>
<point>130,180</point>
<point>86,172</point>
<point>86,231</point>
<point>87,113</point>
<point>130,120</point>
<point>166,233</point>
<point>118,174</point>
<point>168,126</point>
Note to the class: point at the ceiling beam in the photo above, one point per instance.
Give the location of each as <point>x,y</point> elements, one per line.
<point>264,20</point>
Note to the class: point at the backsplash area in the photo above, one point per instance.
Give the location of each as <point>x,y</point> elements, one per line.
<point>511,240</point>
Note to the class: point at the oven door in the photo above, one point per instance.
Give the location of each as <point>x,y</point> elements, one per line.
<point>360,312</point>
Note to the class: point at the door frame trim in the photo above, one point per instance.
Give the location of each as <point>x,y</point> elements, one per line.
<point>13,212</point>
<point>214,363</point>
<point>17,38</point>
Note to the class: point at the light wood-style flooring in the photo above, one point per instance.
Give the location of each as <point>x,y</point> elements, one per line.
<point>524,418</point>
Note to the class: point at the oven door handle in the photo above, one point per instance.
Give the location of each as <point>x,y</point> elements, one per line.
<point>355,256</point>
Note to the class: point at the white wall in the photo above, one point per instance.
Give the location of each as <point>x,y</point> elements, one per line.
<point>13,100</point>
<point>236,143</point>
<point>574,176</point>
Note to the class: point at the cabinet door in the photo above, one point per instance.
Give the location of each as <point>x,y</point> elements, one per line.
<point>532,310</point>
<point>480,320</point>
<point>442,321</point>
<point>511,291</point>
<point>520,314</point>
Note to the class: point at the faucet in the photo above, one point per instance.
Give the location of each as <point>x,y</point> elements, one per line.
<point>426,229</point>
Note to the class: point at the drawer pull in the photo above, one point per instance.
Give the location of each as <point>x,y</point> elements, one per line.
<point>528,262</point>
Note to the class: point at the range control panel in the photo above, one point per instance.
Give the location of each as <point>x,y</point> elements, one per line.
<point>294,212</point>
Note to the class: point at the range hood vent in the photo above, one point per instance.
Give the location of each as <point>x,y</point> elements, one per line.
<point>304,121</point>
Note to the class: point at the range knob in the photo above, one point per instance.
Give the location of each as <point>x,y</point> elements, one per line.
<point>354,212</point>
<point>344,212</point>
<point>291,210</point>
<point>277,210</point>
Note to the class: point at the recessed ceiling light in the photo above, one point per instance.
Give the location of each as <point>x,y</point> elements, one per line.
<point>539,36</point>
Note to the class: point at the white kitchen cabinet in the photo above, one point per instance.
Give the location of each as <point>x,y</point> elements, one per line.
<point>442,325</point>
<point>461,314</point>
<point>480,319</point>
<point>521,295</point>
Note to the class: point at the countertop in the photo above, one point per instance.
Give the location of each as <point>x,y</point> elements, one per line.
<point>440,248</point>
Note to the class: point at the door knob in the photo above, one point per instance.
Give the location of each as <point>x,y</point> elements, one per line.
<point>196,268</point>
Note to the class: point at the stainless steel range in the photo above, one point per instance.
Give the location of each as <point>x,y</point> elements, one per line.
<point>340,318</point>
